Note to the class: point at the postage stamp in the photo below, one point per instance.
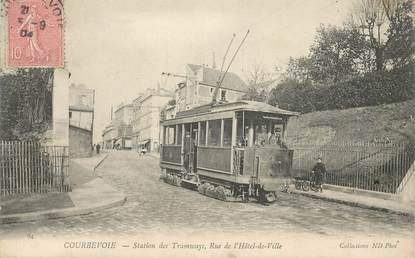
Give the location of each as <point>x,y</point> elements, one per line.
<point>35,33</point>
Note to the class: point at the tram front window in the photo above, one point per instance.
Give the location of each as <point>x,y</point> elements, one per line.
<point>261,134</point>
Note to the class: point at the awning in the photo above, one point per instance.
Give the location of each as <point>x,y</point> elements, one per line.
<point>144,142</point>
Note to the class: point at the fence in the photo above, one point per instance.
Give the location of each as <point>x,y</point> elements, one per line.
<point>29,167</point>
<point>370,166</point>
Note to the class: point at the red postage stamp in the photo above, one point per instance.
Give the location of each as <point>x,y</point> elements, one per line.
<point>35,33</point>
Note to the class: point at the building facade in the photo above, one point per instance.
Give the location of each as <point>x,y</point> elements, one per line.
<point>146,118</point>
<point>81,120</point>
<point>108,136</point>
<point>122,123</point>
<point>200,84</point>
<point>117,135</point>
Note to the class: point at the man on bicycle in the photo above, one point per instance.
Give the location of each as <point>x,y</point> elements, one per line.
<point>319,171</point>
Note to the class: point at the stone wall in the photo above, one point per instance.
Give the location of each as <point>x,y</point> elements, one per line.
<point>80,142</point>
<point>408,189</point>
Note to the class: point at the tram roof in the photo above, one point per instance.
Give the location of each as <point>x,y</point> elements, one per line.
<point>243,105</point>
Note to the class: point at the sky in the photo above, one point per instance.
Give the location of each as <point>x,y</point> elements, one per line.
<point>120,48</point>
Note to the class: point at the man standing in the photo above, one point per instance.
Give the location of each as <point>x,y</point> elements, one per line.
<point>319,171</point>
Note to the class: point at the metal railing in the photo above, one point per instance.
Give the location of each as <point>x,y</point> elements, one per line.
<point>29,167</point>
<point>369,166</point>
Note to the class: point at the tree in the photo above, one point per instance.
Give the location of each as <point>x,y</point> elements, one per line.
<point>298,69</point>
<point>401,48</point>
<point>337,54</point>
<point>259,80</point>
<point>25,104</point>
<point>293,95</point>
<point>378,20</point>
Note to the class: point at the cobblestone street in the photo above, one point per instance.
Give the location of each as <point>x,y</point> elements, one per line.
<point>155,206</point>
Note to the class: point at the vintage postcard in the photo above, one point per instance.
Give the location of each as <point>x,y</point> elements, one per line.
<point>223,128</point>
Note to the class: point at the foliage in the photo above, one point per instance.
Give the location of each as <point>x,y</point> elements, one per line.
<point>401,47</point>
<point>383,22</point>
<point>371,89</point>
<point>369,61</point>
<point>25,104</point>
<point>256,94</point>
<point>337,54</point>
<point>298,69</point>
<point>259,79</point>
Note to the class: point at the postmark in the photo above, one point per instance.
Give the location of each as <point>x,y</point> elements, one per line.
<point>35,33</point>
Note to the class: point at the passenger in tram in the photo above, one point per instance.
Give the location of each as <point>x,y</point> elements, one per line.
<point>273,138</point>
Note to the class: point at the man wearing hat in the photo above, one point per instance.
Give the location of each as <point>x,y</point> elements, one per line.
<point>319,170</point>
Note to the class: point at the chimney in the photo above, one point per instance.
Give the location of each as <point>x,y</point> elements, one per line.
<point>213,61</point>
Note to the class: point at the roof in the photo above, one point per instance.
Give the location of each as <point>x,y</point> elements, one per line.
<point>121,106</point>
<point>160,92</point>
<point>236,106</point>
<point>211,76</point>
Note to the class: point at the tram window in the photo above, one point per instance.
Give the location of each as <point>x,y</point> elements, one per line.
<point>227,132</point>
<point>165,134</point>
<point>214,133</point>
<point>179,135</point>
<point>202,140</point>
<point>171,134</point>
<point>261,134</point>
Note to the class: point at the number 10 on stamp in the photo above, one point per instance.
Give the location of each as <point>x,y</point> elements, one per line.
<point>35,33</point>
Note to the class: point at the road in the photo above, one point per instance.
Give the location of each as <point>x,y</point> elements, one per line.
<point>155,206</point>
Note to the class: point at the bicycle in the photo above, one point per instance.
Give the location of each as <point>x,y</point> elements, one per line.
<point>302,183</point>
<point>314,185</point>
<point>307,183</point>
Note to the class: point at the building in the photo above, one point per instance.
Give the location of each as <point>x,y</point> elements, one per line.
<point>81,120</point>
<point>117,135</point>
<point>122,126</point>
<point>200,84</point>
<point>108,136</point>
<point>146,118</point>
<point>169,112</point>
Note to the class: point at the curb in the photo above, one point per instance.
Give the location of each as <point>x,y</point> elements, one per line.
<point>99,163</point>
<point>349,190</point>
<point>57,213</point>
<point>356,204</point>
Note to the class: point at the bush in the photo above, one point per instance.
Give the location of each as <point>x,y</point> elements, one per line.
<point>375,88</point>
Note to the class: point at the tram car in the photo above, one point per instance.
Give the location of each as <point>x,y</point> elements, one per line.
<point>230,151</point>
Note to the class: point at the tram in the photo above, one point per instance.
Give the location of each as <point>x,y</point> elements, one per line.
<point>230,151</point>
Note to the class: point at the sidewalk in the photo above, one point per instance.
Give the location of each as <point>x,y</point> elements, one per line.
<point>92,162</point>
<point>89,194</point>
<point>359,200</point>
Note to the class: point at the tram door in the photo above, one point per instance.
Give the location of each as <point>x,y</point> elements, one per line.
<point>190,147</point>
